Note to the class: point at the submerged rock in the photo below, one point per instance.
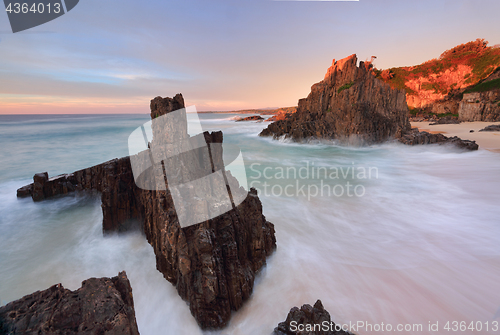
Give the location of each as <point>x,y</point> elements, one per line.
<point>212,264</point>
<point>100,306</point>
<point>309,320</point>
<point>251,118</point>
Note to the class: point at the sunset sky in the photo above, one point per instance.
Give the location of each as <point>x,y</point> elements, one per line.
<point>108,56</point>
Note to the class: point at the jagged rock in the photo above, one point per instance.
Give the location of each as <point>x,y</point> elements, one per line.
<point>309,317</point>
<point>493,127</point>
<point>100,306</point>
<point>349,104</point>
<point>251,118</point>
<point>212,264</point>
<point>416,137</point>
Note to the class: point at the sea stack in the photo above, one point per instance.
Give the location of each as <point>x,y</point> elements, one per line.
<point>349,105</point>
<point>212,264</point>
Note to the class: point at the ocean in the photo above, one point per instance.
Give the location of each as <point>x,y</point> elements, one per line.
<point>385,235</point>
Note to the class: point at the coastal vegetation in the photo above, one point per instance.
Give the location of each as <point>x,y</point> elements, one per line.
<point>467,64</point>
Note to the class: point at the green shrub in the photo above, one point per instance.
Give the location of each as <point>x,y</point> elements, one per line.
<point>485,86</point>
<point>345,86</point>
<point>446,115</point>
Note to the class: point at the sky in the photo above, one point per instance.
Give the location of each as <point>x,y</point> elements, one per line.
<point>114,56</point>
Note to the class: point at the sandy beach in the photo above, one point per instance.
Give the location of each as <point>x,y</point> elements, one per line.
<point>489,140</point>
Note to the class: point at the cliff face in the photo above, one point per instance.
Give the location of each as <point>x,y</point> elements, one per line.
<point>349,104</point>
<point>434,84</point>
<point>100,306</point>
<point>212,264</point>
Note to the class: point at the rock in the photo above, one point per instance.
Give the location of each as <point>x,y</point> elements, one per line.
<point>25,191</point>
<point>445,120</point>
<point>349,104</point>
<point>471,131</point>
<point>100,306</point>
<point>309,316</point>
<point>480,106</point>
<point>416,137</point>
<point>39,181</point>
<point>281,113</point>
<point>493,127</point>
<point>251,118</point>
<point>212,264</point>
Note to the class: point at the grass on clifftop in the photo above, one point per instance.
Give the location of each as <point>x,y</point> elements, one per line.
<point>482,58</point>
<point>485,86</point>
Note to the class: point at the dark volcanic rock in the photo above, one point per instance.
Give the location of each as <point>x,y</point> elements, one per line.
<point>415,137</point>
<point>493,127</point>
<point>100,306</point>
<point>350,104</point>
<point>308,316</point>
<point>251,118</point>
<point>212,264</point>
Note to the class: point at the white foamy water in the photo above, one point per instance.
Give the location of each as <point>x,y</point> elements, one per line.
<point>421,245</point>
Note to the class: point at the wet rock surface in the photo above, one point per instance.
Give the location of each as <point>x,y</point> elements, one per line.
<point>302,321</point>
<point>212,264</point>
<point>416,137</point>
<point>100,306</point>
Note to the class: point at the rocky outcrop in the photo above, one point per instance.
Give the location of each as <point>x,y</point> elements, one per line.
<point>480,106</point>
<point>493,127</point>
<point>282,114</point>
<point>100,306</point>
<point>212,264</point>
<point>350,104</point>
<point>309,320</point>
<point>416,137</point>
<point>113,179</point>
<point>445,120</point>
<point>250,118</point>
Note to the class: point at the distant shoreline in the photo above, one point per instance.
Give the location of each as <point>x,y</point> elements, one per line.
<point>271,111</point>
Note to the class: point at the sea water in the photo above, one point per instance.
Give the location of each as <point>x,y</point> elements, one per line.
<point>385,234</point>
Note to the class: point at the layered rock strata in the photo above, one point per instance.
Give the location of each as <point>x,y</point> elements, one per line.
<point>480,106</point>
<point>100,306</point>
<point>213,263</point>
